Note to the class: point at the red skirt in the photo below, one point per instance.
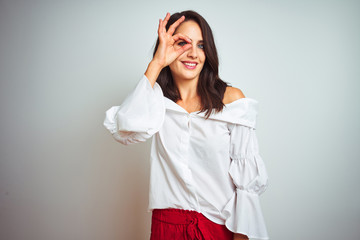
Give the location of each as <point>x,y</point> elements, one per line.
<point>179,224</point>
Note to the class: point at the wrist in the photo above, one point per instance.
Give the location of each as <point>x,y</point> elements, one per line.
<point>156,65</point>
<point>152,72</point>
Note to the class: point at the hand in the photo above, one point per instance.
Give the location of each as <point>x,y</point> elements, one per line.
<point>166,52</point>
<point>238,236</point>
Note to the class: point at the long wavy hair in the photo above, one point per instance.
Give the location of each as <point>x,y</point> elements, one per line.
<point>210,87</point>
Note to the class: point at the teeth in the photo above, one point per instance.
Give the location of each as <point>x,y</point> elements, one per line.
<point>190,64</point>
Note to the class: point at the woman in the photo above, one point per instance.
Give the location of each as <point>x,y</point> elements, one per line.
<point>206,171</point>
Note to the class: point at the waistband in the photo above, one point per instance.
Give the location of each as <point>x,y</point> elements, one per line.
<point>178,216</point>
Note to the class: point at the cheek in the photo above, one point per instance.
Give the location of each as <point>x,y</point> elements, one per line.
<point>174,65</point>
<point>203,57</point>
<point>171,66</point>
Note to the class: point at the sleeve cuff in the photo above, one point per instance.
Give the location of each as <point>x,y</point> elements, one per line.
<point>243,215</point>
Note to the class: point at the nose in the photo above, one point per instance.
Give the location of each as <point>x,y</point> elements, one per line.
<point>192,52</point>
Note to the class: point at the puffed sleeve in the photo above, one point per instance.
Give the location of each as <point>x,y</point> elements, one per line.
<point>140,115</point>
<point>243,212</point>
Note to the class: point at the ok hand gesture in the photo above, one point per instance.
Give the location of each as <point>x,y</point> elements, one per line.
<point>166,52</point>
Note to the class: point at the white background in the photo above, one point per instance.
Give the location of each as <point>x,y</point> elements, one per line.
<point>64,63</point>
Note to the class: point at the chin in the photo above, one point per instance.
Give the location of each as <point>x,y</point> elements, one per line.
<point>189,76</point>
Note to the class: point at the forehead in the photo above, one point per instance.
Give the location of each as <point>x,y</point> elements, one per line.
<point>190,28</point>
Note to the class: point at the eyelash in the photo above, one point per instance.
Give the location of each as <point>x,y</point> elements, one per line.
<point>202,45</point>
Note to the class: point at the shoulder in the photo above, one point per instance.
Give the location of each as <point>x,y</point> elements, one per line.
<point>232,94</point>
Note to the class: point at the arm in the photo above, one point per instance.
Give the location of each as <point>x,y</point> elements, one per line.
<point>231,94</point>
<point>139,116</point>
<point>142,113</point>
<point>243,212</point>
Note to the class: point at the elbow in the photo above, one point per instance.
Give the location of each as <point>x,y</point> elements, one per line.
<point>263,185</point>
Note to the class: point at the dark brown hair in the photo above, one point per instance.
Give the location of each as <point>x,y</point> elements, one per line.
<point>210,87</point>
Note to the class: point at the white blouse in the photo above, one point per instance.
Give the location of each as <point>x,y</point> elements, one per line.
<point>211,166</point>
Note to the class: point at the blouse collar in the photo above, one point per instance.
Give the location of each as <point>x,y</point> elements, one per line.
<point>242,111</point>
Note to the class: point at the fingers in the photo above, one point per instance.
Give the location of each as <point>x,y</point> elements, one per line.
<point>162,23</point>
<point>183,49</point>
<point>166,19</point>
<point>159,28</point>
<point>181,36</point>
<point>175,25</point>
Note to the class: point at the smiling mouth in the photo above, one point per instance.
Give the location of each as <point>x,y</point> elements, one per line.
<point>189,65</point>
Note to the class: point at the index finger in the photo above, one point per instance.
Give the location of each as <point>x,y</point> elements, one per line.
<point>178,36</point>
<point>165,21</point>
<point>175,25</point>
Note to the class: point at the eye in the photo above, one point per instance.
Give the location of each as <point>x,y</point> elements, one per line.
<point>201,46</point>
<point>182,43</point>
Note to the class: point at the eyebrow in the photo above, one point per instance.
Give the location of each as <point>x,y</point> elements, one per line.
<point>201,41</point>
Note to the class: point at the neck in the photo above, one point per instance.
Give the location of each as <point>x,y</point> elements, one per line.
<point>187,88</point>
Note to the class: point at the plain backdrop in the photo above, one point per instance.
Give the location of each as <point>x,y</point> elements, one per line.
<point>64,63</point>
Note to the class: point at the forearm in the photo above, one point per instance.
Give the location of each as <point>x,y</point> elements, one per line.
<point>152,72</point>
<point>238,236</point>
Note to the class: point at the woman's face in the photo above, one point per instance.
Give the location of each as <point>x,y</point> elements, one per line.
<point>189,64</point>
